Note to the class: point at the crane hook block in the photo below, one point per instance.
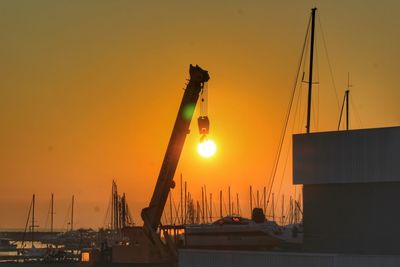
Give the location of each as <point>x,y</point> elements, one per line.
<point>204,125</point>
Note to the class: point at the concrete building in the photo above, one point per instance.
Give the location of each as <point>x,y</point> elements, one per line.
<point>351,191</point>
<point>351,198</point>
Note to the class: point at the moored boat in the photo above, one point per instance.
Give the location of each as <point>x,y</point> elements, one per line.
<point>234,232</point>
<point>7,245</point>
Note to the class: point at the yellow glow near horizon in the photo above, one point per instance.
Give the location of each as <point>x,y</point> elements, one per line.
<point>207,148</point>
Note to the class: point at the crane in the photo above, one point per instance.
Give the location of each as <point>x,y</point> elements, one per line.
<point>145,244</point>
<point>151,215</point>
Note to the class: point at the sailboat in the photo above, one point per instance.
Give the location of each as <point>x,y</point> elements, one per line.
<point>6,244</point>
<point>32,251</point>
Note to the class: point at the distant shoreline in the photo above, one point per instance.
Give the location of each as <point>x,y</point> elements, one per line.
<point>37,230</point>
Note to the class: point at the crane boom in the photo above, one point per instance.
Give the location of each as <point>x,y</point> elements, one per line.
<point>152,214</point>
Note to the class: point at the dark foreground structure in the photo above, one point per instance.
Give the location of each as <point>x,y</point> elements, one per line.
<point>351,190</point>
<point>215,258</point>
<point>351,194</point>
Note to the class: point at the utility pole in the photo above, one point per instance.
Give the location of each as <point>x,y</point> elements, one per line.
<point>310,77</point>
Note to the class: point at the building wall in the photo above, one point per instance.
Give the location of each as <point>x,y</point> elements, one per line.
<point>217,258</point>
<point>352,218</point>
<point>351,190</point>
<point>356,156</point>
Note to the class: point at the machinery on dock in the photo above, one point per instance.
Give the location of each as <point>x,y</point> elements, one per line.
<point>150,243</point>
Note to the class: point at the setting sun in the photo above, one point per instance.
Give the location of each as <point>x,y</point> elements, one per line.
<point>207,148</point>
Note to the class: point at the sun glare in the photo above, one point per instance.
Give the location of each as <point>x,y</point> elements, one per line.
<point>207,148</point>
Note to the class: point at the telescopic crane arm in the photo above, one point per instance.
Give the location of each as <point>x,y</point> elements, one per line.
<point>152,214</point>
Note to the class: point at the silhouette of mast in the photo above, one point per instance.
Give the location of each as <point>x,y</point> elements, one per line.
<point>33,218</point>
<point>345,101</point>
<point>52,213</point>
<point>310,78</point>
<point>72,213</point>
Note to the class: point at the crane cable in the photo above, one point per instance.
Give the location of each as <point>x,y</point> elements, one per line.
<point>204,100</point>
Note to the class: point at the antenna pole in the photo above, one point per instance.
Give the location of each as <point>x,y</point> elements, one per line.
<point>310,79</point>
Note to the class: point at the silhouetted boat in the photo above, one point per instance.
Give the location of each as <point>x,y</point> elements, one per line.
<point>7,245</point>
<point>233,232</point>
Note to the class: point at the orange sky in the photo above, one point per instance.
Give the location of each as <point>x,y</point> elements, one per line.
<point>90,90</point>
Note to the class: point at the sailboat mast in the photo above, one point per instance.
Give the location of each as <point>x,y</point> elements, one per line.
<point>211,207</point>
<point>185,206</point>
<point>33,218</point>
<point>237,204</point>
<point>220,204</point>
<point>347,110</point>
<point>112,207</point>
<point>52,212</point>
<point>273,207</point>
<point>310,78</point>
<point>251,200</point>
<point>181,206</point>
<point>229,201</point>
<point>265,200</point>
<point>72,213</point>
